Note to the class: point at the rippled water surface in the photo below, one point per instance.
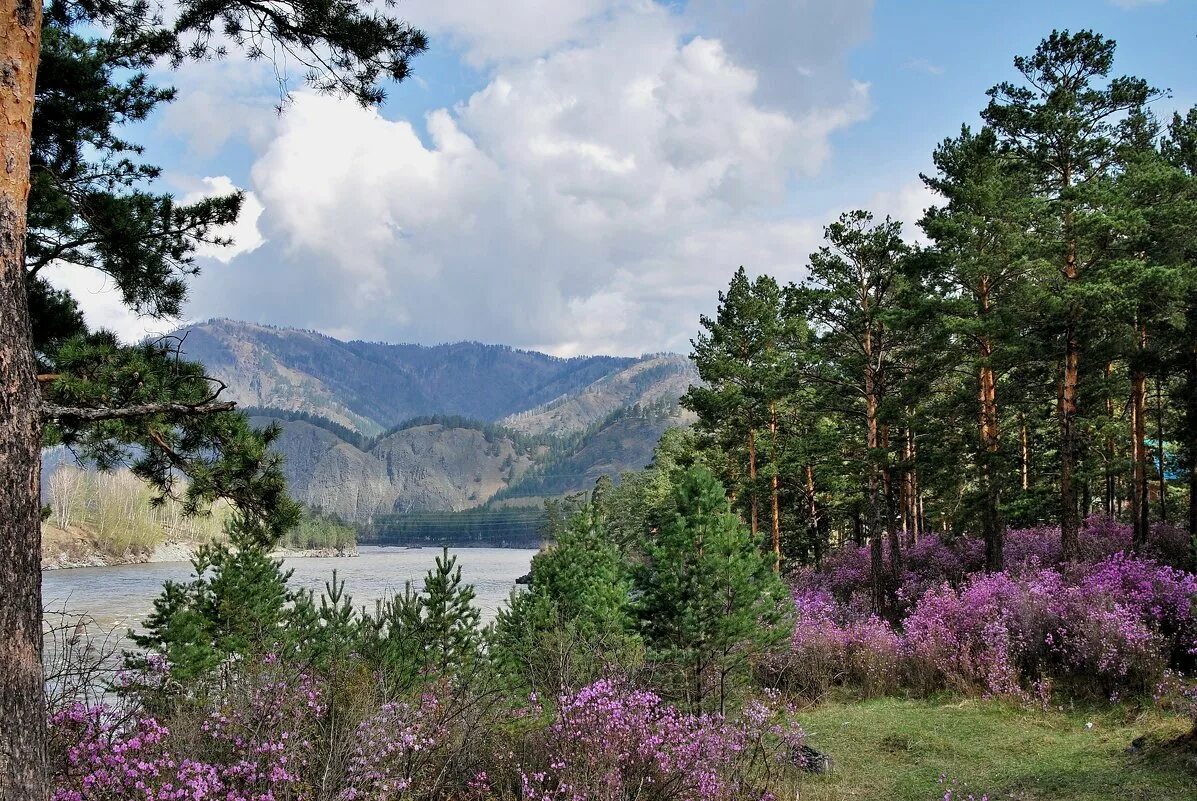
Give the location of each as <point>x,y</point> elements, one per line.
<point>122,596</point>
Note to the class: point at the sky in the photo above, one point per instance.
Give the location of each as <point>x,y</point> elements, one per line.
<point>584,176</point>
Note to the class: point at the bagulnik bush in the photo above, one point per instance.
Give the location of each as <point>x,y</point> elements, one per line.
<point>1108,625</point>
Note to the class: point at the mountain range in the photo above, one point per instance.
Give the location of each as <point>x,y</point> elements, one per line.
<point>372,429</point>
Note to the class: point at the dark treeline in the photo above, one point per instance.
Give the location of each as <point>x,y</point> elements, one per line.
<point>490,431</point>
<point>354,437</point>
<point>1034,364</point>
<point>514,527</point>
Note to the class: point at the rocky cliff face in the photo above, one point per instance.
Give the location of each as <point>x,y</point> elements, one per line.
<point>423,468</point>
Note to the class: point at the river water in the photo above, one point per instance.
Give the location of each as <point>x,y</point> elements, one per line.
<point>120,597</point>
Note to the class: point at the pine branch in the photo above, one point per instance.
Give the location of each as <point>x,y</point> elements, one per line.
<point>93,415</point>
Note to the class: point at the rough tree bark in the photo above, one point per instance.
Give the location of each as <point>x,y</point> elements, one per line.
<point>1069,397</point>
<point>992,529</point>
<point>1138,404</point>
<point>22,709</point>
<point>775,489</point>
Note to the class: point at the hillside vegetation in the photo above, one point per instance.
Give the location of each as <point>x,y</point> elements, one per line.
<point>372,386</point>
<point>370,429</point>
<point>439,464</point>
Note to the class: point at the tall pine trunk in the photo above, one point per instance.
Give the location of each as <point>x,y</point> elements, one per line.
<point>775,488</point>
<point>1069,517</point>
<point>1024,451</point>
<point>1069,404</point>
<point>1111,456</point>
<point>990,436</point>
<point>891,518</point>
<point>1159,449</point>
<point>812,517</point>
<point>754,516</point>
<point>1190,426</point>
<point>1139,499</point>
<point>876,492</point>
<point>22,708</point>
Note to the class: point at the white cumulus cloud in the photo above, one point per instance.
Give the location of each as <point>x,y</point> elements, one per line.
<point>622,159</point>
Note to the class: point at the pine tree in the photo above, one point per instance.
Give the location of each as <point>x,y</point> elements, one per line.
<point>980,266</point>
<point>851,298</point>
<point>574,620</point>
<point>235,605</point>
<point>74,191</point>
<point>449,619</point>
<point>707,599</point>
<point>1176,226</point>
<point>1066,125</point>
<point>745,357</point>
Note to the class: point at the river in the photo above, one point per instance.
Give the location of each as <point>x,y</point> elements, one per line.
<point>119,597</point>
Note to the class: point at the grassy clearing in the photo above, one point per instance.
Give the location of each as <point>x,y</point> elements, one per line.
<point>897,749</point>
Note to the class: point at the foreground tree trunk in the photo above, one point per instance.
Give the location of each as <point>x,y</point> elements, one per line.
<point>22,712</point>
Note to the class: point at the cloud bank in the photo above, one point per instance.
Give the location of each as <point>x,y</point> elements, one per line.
<point>621,160</point>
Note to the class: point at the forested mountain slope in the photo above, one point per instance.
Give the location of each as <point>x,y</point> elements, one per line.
<point>372,429</point>
<point>372,386</point>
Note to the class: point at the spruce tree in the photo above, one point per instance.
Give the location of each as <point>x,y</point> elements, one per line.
<point>707,598</point>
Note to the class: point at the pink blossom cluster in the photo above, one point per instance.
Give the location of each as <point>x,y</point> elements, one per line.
<point>252,746</point>
<point>1109,624</point>
<point>933,560</point>
<point>400,751</point>
<point>611,742</point>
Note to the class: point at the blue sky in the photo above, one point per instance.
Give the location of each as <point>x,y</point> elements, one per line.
<point>584,175</point>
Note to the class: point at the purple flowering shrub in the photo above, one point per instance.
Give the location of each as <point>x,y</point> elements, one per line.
<point>935,560</point>
<point>254,744</point>
<point>439,745</point>
<point>1109,624</point>
<point>266,732</point>
<point>609,742</point>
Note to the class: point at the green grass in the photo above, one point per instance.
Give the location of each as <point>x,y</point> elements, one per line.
<point>895,749</point>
